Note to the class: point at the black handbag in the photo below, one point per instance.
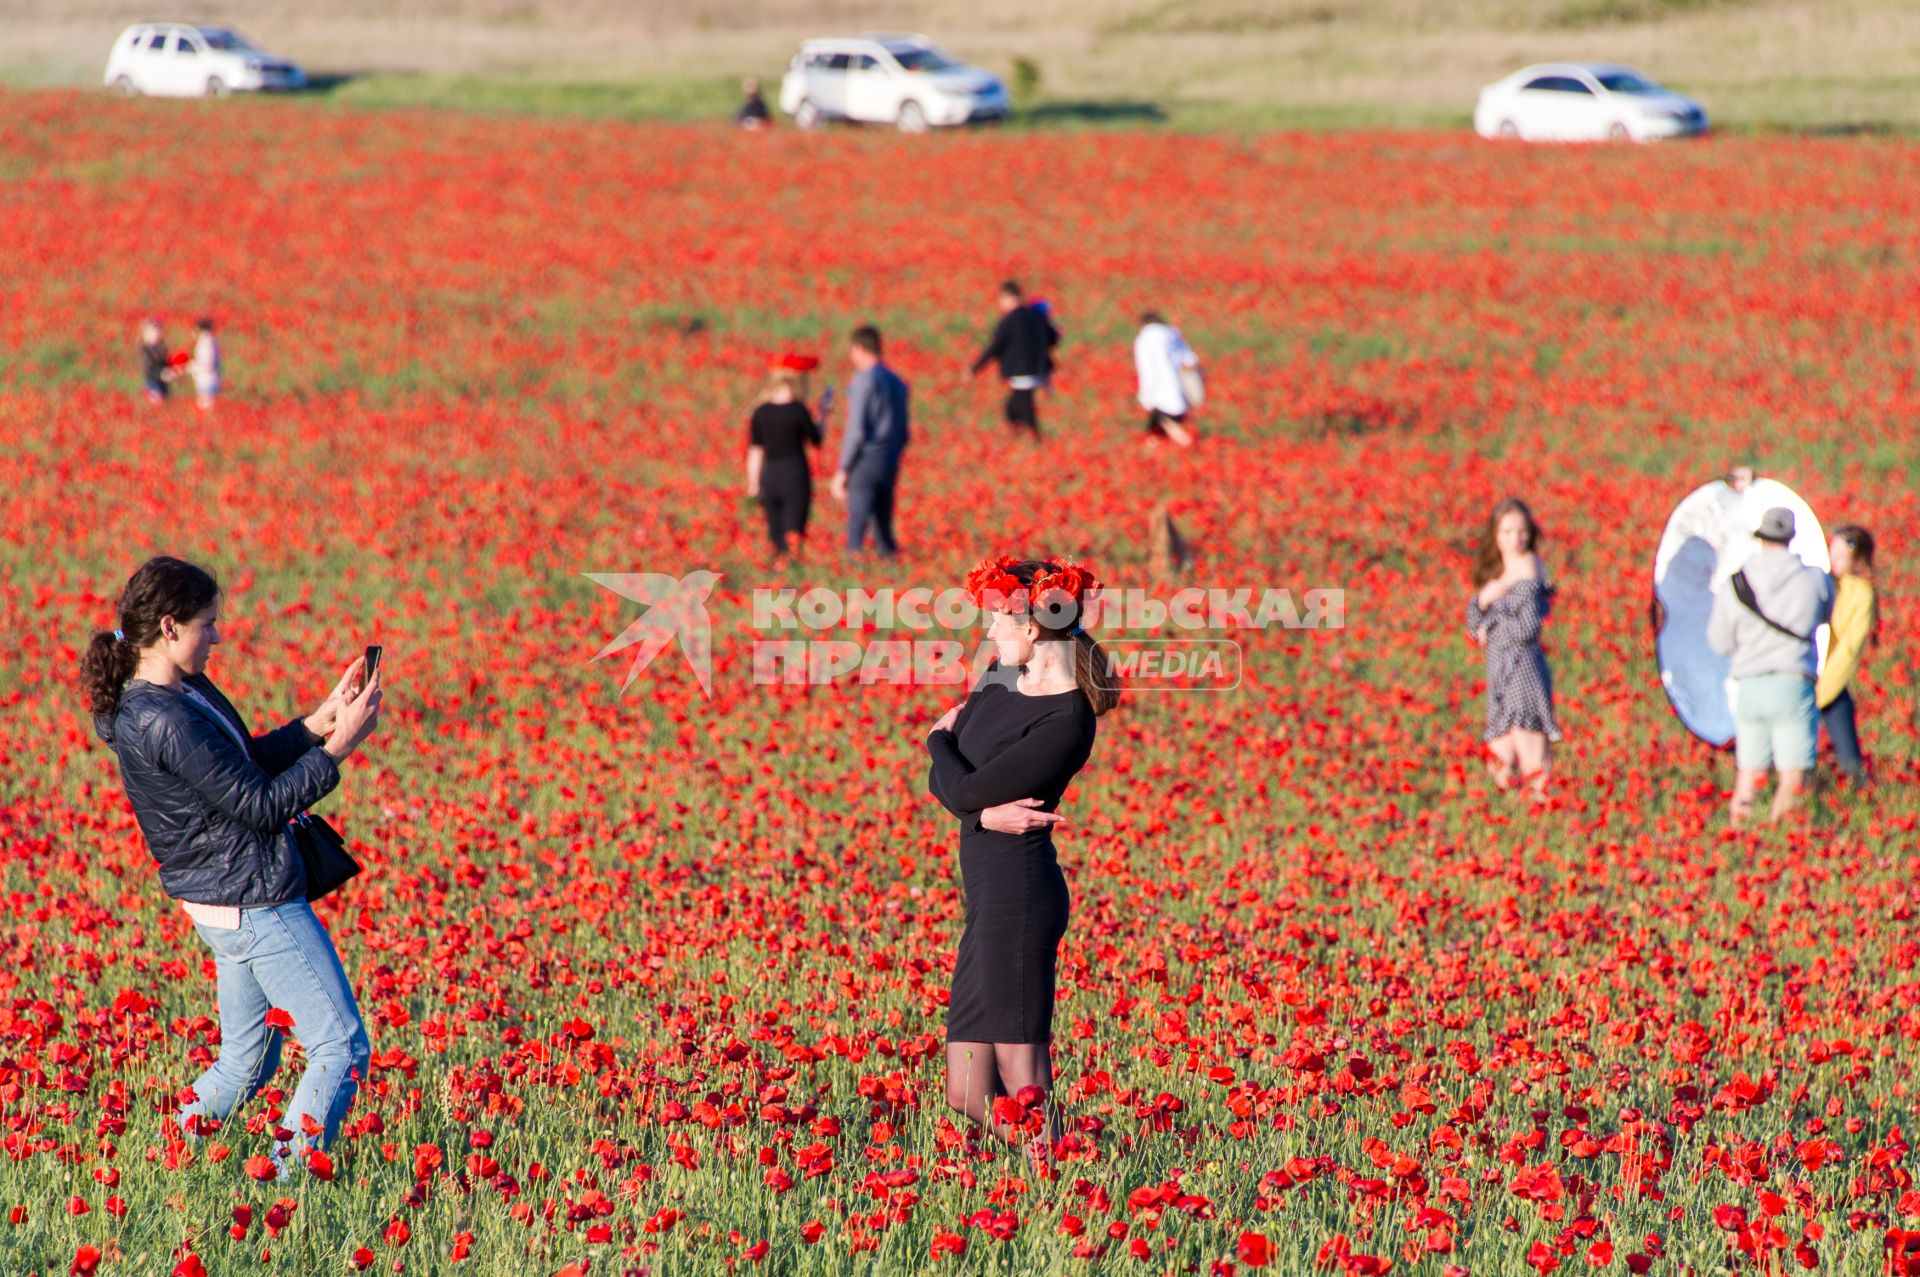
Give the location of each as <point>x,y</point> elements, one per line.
<point>324,853</point>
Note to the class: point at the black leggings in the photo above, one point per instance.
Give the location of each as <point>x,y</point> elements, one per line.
<point>1021,410</point>
<point>786,493</point>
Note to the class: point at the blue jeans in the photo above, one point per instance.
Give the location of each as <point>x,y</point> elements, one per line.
<point>870,500</point>
<point>280,956</point>
<point>1837,718</point>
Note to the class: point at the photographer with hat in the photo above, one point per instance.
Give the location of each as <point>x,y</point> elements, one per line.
<point>1765,621</point>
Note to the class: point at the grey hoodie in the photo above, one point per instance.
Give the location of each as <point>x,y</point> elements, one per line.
<point>1798,596</point>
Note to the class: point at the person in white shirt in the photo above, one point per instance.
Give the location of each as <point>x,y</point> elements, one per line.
<point>205,366</point>
<point>1163,361</point>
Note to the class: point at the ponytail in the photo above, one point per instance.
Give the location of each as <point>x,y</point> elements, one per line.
<point>105,667</point>
<point>1094,673</point>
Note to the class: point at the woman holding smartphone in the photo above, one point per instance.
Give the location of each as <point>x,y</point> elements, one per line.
<point>214,803</point>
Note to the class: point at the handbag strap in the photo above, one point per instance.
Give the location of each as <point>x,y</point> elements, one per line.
<point>1743,590</point>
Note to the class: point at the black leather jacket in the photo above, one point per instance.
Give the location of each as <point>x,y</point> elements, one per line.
<point>215,815</point>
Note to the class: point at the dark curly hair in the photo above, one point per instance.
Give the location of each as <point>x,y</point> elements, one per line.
<point>1091,669</point>
<point>163,586</point>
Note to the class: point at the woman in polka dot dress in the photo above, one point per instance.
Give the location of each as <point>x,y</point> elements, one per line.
<point>1512,596</point>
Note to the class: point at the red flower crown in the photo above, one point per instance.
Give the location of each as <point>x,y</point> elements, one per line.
<point>1059,588</point>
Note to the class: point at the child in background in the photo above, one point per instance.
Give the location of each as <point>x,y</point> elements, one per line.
<point>205,366</point>
<point>156,369</point>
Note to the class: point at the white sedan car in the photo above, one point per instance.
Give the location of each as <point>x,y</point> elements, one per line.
<point>902,80</point>
<point>180,60</point>
<point>1584,101</point>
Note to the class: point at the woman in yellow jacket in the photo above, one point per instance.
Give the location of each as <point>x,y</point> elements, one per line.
<point>1855,617</point>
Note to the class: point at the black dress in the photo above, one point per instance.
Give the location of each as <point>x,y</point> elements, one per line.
<point>782,432</point>
<point>1006,745</point>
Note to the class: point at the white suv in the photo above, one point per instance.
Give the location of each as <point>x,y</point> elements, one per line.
<point>887,79</point>
<point>179,60</point>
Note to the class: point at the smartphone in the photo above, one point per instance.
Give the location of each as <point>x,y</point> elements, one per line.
<point>372,664</point>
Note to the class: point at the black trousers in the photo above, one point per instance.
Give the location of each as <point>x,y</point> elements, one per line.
<point>1156,421</point>
<point>1022,411</point>
<point>786,493</point>
<point>870,488</point>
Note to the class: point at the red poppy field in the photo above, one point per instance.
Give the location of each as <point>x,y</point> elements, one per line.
<point>656,980</point>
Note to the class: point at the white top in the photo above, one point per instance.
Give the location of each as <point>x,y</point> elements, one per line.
<point>187,689</point>
<point>1159,353</point>
<point>206,359</point>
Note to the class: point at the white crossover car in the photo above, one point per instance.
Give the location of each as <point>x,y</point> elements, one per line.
<point>1584,101</point>
<point>179,60</point>
<point>903,80</point>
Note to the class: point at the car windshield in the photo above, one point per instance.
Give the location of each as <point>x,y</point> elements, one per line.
<point>1627,82</point>
<point>226,41</point>
<point>918,57</point>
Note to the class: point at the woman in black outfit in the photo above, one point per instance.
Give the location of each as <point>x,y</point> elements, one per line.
<point>1000,763</point>
<point>778,473</point>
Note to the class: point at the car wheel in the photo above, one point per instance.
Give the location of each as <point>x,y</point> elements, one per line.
<point>125,85</point>
<point>216,87</point>
<point>1619,133</point>
<point>806,115</point>
<point>912,118</point>
<point>1509,130</point>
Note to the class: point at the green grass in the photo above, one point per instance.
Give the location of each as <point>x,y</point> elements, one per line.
<point>1802,65</point>
<point>640,99</point>
<point>1798,105</point>
<point>705,98</point>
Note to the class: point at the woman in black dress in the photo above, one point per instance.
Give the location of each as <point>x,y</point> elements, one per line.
<point>1000,763</point>
<point>781,431</point>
